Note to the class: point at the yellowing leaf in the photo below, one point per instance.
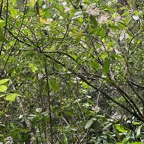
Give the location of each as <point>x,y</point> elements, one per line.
<point>42,20</point>
<point>46,21</point>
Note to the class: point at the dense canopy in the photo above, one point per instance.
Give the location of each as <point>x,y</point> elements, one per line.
<point>71,71</point>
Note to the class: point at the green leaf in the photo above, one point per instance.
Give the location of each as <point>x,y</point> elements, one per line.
<point>121,128</point>
<point>54,85</point>
<point>59,8</point>
<point>93,20</point>
<point>31,3</point>
<point>65,139</point>
<point>3,81</point>
<point>11,96</point>
<point>95,65</point>
<point>137,143</point>
<point>85,85</point>
<point>33,67</point>
<point>2,38</point>
<point>2,23</point>
<point>13,12</point>
<point>103,32</point>
<point>106,66</point>
<point>89,123</point>
<point>78,37</point>
<point>68,113</point>
<point>3,88</point>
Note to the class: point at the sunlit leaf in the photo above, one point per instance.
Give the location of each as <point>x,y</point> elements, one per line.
<point>31,3</point>
<point>103,32</point>
<point>3,88</point>
<point>121,128</point>
<point>13,12</point>
<point>11,96</point>
<point>32,67</point>
<point>3,81</point>
<point>2,23</point>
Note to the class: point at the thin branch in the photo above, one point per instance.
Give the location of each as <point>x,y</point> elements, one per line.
<point>49,102</point>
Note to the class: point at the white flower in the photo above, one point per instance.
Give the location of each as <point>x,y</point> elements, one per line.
<point>103,19</point>
<point>8,140</point>
<point>38,110</point>
<point>67,9</point>
<point>135,17</point>
<point>96,108</point>
<point>76,79</point>
<point>21,116</point>
<point>93,11</point>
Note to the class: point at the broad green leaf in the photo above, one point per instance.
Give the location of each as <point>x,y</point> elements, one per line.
<point>87,1</point>
<point>2,95</point>
<point>54,85</point>
<point>65,138</point>
<point>85,85</point>
<point>11,96</point>
<point>2,23</point>
<point>68,113</point>
<point>135,123</point>
<point>103,32</point>
<point>13,12</point>
<point>121,128</point>
<point>125,141</point>
<point>95,65</point>
<point>109,45</point>
<point>104,55</point>
<point>33,67</point>
<point>3,81</point>
<point>3,88</point>
<point>93,20</point>
<point>78,37</point>
<point>59,8</point>
<point>106,65</point>
<point>89,123</point>
<point>2,38</point>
